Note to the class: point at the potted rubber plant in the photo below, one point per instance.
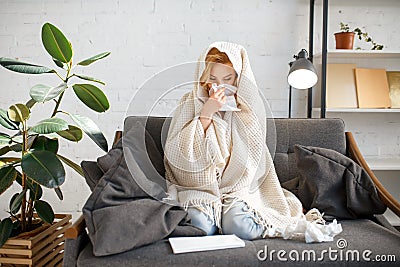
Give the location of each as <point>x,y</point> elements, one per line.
<point>345,38</point>
<point>38,163</point>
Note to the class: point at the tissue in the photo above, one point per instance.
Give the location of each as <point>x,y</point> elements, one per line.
<point>230,90</point>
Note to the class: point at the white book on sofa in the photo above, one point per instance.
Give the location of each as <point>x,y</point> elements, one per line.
<point>203,243</point>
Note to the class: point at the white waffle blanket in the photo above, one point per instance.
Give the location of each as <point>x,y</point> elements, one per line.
<point>231,159</point>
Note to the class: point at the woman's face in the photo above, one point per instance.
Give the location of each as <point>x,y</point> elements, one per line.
<point>222,74</point>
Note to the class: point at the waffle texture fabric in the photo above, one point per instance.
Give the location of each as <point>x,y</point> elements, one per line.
<point>231,159</point>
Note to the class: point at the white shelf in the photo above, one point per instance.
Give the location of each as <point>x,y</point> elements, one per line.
<point>357,110</point>
<point>348,53</point>
<point>383,164</point>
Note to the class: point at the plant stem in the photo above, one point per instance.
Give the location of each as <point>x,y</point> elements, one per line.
<point>68,71</point>
<point>57,104</point>
<point>23,206</point>
<point>30,211</point>
<point>59,76</point>
<point>62,94</point>
<point>66,113</point>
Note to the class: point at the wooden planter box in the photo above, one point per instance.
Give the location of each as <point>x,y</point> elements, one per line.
<point>43,246</point>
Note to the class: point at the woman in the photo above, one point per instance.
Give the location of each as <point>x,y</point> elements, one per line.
<point>218,166</point>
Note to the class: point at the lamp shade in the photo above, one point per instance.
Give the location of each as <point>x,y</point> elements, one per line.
<point>302,74</point>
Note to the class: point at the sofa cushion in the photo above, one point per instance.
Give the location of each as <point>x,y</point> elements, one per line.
<point>360,235</point>
<point>283,134</point>
<point>107,161</point>
<point>92,173</point>
<point>335,184</point>
<point>124,211</point>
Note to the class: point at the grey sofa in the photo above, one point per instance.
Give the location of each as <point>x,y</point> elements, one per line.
<point>367,241</point>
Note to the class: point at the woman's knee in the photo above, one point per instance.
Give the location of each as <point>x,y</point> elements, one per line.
<point>202,221</point>
<point>240,227</point>
<point>238,220</point>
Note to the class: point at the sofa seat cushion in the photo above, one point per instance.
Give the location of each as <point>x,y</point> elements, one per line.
<point>359,234</point>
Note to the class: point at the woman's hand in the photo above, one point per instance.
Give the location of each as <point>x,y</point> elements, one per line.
<point>214,103</point>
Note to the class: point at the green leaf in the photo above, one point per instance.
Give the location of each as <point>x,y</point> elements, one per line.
<point>91,129</point>
<point>12,201</point>
<point>44,143</point>
<point>7,160</point>
<point>18,112</point>
<point>87,78</point>
<point>22,67</point>
<point>44,167</point>
<point>59,193</point>
<point>92,97</point>
<point>31,139</point>
<point>5,139</point>
<point>44,211</point>
<point>93,59</point>
<point>4,150</point>
<point>14,208</point>
<point>43,93</point>
<point>16,148</point>
<point>8,174</point>
<point>73,133</point>
<point>51,125</point>
<point>72,164</point>
<point>6,227</point>
<point>16,203</point>
<point>6,122</point>
<point>55,43</point>
<point>59,64</point>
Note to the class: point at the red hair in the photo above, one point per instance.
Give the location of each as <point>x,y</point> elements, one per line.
<point>213,56</point>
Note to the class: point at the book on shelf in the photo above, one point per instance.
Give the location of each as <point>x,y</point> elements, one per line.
<point>394,87</point>
<point>341,86</point>
<point>204,243</point>
<point>372,88</point>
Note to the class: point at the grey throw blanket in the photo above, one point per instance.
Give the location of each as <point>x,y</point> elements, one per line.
<point>334,183</point>
<point>121,216</point>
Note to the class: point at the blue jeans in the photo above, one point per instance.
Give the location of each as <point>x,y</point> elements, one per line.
<point>237,220</point>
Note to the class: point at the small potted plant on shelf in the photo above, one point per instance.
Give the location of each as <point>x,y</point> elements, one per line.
<point>345,38</point>
<point>39,163</point>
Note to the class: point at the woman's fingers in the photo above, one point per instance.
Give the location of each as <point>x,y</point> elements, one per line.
<point>220,91</point>
<point>223,99</point>
<point>219,95</point>
<point>219,98</point>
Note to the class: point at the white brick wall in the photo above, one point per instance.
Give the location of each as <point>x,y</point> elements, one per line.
<point>147,36</point>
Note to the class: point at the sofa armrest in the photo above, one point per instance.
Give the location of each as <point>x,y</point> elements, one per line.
<point>355,154</point>
<point>76,229</point>
<point>117,136</point>
<point>76,240</point>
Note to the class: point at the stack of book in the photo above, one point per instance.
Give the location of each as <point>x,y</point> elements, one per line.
<point>351,87</point>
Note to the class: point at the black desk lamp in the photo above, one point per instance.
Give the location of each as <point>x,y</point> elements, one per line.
<point>302,75</point>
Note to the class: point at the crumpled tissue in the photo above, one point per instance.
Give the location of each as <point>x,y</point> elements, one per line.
<point>313,231</point>
<point>230,90</point>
